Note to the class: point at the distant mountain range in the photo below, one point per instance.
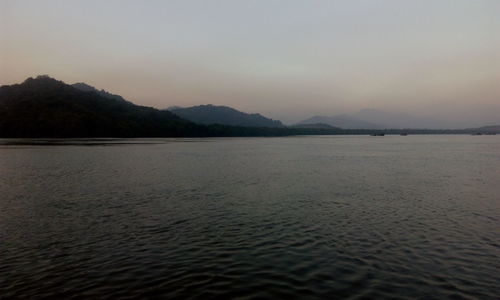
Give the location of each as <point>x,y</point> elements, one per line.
<point>315,125</point>
<point>211,114</point>
<point>376,119</point>
<point>486,129</point>
<point>342,121</point>
<point>44,107</point>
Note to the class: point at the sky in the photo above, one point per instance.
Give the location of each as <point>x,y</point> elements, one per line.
<point>285,59</point>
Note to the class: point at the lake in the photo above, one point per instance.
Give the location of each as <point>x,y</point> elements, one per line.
<point>311,217</point>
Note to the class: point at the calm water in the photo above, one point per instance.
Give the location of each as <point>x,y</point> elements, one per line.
<point>297,217</point>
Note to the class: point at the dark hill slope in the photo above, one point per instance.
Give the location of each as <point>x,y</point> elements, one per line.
<point>88,88</point>
<point>45,107</point>
<point>211,114</point>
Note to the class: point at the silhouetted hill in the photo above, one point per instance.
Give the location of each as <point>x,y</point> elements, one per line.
<point>342,121</point>
<point>315,125</point>
<point>45,107</point>
<point>211,114</point>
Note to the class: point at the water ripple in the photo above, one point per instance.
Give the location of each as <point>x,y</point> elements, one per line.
<point>251,219</point>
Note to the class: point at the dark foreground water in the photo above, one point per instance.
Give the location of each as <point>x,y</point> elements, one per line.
<point>297,218</point>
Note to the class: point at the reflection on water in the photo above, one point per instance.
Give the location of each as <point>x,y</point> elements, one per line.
<point>96,141</point>
<point>301,217</point>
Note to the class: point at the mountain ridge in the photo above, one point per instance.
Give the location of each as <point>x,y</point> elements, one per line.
<point>48,108</point>
<point>216,114</point>
<point>44,107</point>
<point>377,119</point>
<point>88,88</point>
<point>342,121</point>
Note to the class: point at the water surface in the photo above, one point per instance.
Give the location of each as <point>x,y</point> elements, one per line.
<point>296,217</point>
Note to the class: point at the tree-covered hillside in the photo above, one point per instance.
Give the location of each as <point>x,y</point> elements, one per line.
<point>45,107</point>
<point>223,115</point>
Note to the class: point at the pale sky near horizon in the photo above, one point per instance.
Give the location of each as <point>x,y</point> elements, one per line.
<point>286,59</point>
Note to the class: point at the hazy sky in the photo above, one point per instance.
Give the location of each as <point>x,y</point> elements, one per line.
<point>286,59</point>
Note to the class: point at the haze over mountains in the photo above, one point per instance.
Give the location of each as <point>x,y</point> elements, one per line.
<point>376,119</point>
<point>363,119</point>
<point>425,58</point>
<point>342,121</point>
<point>45,107</point>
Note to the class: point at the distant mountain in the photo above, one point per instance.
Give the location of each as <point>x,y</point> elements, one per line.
<point>399,120</point>
<point>174,107</point>
<point>488,129</point>
<point>45,107</point>
<point>376,119</point>
<point>211,114</point>
<point>342,121</point>
<point>315,125</point>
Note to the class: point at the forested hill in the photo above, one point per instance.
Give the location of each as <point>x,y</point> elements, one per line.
<point>212,114</point>
<point>45,107</point>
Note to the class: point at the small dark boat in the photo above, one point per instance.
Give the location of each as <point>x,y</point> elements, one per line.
<point>404,134</point>
<point>377,134</point>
